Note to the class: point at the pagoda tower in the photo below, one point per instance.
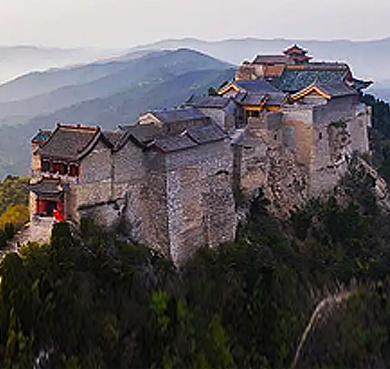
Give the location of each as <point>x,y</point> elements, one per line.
<point>297,54</point>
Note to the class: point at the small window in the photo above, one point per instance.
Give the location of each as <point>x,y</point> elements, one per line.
<point>275,136</point>
<point>320,136</point>
<point>64,169</point>
<point>74,170</point>
<point>56,168</point>
<point>45,165</point>
<point>59,168</point>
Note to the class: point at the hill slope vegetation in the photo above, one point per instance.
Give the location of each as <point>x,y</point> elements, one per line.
<point>116,94</point>
<point>88,299</point>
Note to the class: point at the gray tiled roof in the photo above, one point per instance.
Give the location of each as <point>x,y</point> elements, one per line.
<point>240,95</point>
<point>251,99</point>
<point>141,133</point>
<point>50,188</point>
<point>276,98</point>
<point>296,49</point>
<point>336,89</point>
<point>296,80</point>
<point>271,59</point>
<point>209,133</point>
<point>178,115</point>
<point>113,137</point>
<point>272,98</point>
<point>257,86</point>
<point>205,101</point>
<point>322,66</point>
<point>67,142</point>
<point>173,143</point>
<point>152,136</point>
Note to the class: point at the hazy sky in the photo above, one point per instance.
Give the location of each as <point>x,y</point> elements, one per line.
<point>125,23</point>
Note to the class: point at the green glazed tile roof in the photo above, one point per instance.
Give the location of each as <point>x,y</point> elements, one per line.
<point>296,80</point>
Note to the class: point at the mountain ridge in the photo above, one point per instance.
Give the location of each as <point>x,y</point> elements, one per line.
<point>162,79</point>
<point>18,59</point>
<point>235,50</point>
<point>110,79</point>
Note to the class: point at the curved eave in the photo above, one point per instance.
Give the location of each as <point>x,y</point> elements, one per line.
<point>228,87</point>
<point>91,145</point>
<point>306,91</point>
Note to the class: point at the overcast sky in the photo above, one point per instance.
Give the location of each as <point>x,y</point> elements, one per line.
<point>125,23</point>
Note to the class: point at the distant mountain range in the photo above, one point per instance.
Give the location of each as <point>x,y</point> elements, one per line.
<point>368,59</point>
<point>18,60</point>
<point>47,92</point>
<point>108,94</point>
<point>115,89</point>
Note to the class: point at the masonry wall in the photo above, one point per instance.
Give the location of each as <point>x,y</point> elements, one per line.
<point>314,99</point>
<point>273,70</point>
<point>298,121</point>
<point>253,151</point>
<point>225,119</point>
<point>32,199</point>
<point>69,203</point>
<point>125,189</point>
<point>153,201</point>
<point>94,188</point>
<point>200,198</point>
<point>269,161</point>
<point>216,115</point>
<point>179,201</point>
<point>304,155</point>
<point>35,157</point>
<point>96,166</point>
<point>337,109</point>
<point>334,124</point>
<point>358,128</point>
<point>129,178</point>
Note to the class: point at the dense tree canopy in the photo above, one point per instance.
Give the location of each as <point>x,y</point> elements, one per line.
<point>88,300</point>
<point>13,192</point>
<point>13,207</point>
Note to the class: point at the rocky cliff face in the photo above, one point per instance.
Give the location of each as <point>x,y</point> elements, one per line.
<point>294,158</point>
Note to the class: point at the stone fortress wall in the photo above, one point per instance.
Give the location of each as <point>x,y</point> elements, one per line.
<point>176,193</point>
<point>302,153</point>
<point>186,199</point>
<point>165,201</point>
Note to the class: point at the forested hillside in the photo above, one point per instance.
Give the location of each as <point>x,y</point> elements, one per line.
<point>13,207</point>
<point>89,300</point>
<point>379,135</point>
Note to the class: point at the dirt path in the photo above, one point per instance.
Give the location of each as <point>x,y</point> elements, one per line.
<point>36,231</point>
<point>323,309</point>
